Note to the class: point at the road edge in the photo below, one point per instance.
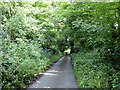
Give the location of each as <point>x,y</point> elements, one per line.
<point>36,78</point>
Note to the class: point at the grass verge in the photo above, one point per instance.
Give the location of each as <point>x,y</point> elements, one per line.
<point>93,72</point>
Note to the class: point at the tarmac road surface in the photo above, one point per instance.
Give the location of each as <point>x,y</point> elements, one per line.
<point>60,75</point>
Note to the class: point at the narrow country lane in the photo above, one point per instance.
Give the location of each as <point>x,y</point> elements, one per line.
<point>58,76</point>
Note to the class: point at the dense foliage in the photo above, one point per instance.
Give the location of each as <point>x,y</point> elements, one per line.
<point>26,50</point>
<point>33,32</point>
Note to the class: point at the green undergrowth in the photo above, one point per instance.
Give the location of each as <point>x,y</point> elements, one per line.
<point>92,72</point>
<point>22,62</point>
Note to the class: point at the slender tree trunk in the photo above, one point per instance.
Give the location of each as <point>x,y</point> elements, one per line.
<point>119,18</point>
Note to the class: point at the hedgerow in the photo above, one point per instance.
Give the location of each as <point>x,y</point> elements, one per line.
<point>92,71</point>
<point>23,62</point>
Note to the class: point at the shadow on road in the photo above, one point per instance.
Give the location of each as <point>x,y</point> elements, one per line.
<point>60,75</point>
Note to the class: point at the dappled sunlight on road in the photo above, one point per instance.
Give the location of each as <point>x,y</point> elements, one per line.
<point>50,74</point>
<point>47,87</point>
<point>38,81</point>
<point>58,76</point>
